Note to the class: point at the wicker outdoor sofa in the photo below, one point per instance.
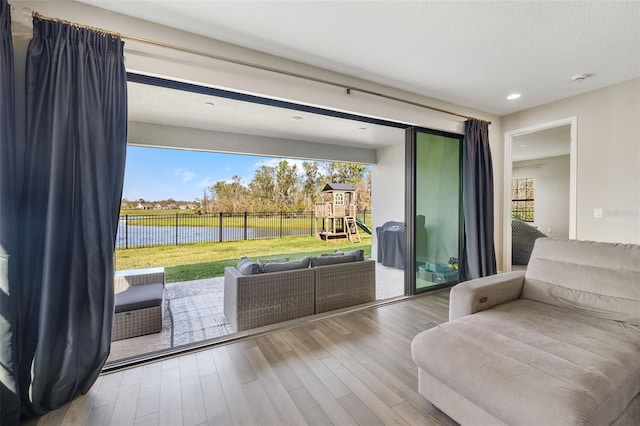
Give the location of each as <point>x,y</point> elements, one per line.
<point>139,297</point>
<point>262,298</point>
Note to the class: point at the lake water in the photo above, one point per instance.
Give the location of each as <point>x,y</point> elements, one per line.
<point>146,236</point>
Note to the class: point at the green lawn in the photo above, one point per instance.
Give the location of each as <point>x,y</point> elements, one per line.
<point>206,260</point>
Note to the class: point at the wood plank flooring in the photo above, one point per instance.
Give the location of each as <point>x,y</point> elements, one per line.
<point>351,369</point>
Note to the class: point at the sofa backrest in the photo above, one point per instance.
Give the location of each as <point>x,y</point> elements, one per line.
<point>602,279</point>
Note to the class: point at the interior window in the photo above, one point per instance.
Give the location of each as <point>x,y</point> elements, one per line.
<point>522,199</point>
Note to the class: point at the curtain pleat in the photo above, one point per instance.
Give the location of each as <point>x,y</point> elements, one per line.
<point>478,257</point>
<point>9,393</point>
<point>76,126</point>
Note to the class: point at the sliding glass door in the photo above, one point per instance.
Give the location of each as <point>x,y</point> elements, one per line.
<point>433,211</point>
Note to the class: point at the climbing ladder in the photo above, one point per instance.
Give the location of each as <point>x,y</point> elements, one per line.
<point>352,229</point>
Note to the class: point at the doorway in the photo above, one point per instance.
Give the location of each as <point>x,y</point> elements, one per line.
<point>539,187</point>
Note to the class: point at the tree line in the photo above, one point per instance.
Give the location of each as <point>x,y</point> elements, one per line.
<point>284,187</point>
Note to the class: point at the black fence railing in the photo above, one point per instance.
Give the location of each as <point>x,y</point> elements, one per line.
<point>175,229</point>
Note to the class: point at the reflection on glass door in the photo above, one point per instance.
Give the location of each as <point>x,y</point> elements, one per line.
<point>435,210</point>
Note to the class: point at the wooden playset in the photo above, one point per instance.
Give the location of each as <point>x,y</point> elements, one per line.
<point>335,217</point>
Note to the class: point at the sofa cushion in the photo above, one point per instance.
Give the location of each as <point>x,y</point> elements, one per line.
<point>526,362</point>
<point>285,266</point>
<point>331,260</point>
<point>139,297</point>
<point>358,255</point>
<point>246,266</point>
<point>265,261</point>
<point>599,278</point>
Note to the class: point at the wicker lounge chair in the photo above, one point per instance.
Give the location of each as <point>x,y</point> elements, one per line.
<point>138,302</point>
<point>523,237</point>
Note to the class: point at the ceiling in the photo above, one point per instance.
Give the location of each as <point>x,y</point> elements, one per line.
<point>160,105</point>
<point>469,53</point>
<point>552,142</point>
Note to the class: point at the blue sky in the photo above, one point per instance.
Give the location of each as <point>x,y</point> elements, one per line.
<point>157,174</point>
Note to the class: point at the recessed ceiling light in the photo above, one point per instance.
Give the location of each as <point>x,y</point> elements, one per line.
<point>363,128</point>
<point>209,103</point>
<point>296,118</point>
<point>513,96</point>
<point>579,77</point>
<point>523,145</point>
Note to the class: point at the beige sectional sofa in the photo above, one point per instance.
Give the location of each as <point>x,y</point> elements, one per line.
<point>256,298</point>
<point>558,344</point>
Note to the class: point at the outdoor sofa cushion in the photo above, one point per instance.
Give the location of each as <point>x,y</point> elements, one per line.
<point>262,262</point>
<point>285,266</point>
<point>139,297</point>
<point>331,260</point>
<point>246,266</point>
<point>357,254</point>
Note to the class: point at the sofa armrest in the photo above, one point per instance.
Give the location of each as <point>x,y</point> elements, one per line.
<point>483,293</point>
<point>230,300</point>
<point>122,280</point>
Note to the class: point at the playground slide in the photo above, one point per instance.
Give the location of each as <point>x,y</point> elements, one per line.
<point>362,226</point>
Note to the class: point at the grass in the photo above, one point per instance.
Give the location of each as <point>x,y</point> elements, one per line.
<point>205,260</point>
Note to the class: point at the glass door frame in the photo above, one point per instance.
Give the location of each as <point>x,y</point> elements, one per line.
<point>410,208</point>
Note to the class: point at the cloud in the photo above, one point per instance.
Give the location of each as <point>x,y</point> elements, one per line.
<point>206,182</point>
<point>187,176</point>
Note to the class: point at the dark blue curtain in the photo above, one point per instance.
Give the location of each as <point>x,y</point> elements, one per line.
<point>9,400</point>
<point>478,257</point>
<point>74,155</point>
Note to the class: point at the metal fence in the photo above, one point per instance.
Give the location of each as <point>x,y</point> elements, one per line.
<point>180,228</point>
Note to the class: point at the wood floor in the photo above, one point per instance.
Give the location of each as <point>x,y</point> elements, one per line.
<point>352,369</point>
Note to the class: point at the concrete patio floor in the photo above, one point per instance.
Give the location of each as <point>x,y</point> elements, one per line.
<point>194,312</point>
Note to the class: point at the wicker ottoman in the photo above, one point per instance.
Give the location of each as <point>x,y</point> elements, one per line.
<point>138,303</point>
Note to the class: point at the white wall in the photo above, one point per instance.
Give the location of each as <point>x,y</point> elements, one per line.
<point>608,171</point>
<point>387,189</point>
<point>551,194</point>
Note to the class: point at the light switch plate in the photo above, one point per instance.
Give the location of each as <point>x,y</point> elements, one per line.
<point>597,213</point>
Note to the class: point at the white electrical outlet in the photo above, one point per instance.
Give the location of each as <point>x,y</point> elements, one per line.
<point>597,213</point>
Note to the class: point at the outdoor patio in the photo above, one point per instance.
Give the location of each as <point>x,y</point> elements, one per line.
<point>193,312</point>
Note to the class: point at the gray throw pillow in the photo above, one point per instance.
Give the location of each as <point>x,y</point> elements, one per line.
<point>357,254</point>
<point>285,266</point>
<point>262,262</point>
<point>247,267</point>
<point>331,260</point>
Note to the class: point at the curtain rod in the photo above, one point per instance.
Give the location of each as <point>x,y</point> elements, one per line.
<point>348,89</point>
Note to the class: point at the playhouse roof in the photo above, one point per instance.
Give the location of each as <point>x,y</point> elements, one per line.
<point>338,187</point>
